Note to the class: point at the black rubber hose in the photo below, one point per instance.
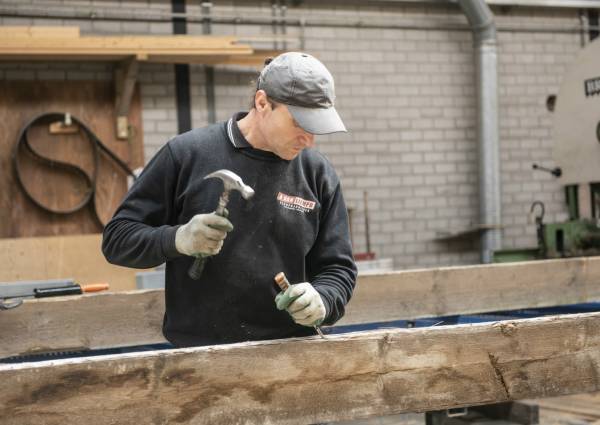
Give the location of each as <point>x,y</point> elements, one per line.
<point>97,147</point>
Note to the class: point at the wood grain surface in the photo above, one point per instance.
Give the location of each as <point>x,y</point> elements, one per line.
<point>311,380</point>
<point>109,320</point>
<point>447,291</point>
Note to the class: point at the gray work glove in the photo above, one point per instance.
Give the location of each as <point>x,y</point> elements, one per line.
<point>303,303</point>
<point>203,234</point>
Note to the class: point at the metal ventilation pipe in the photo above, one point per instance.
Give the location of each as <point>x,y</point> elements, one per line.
<point>482,24</point>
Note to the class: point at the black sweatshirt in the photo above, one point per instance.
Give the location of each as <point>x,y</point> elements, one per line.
<point>296,223</point>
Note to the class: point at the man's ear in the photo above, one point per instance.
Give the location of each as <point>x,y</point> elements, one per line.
<point>261,102</point>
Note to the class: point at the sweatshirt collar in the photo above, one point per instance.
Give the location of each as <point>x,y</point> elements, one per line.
<point>234,133</point>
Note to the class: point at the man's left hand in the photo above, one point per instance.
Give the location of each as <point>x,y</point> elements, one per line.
<point>304,304</point>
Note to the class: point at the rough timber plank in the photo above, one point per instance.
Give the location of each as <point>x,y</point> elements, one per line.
<point>474,289</point>
<point>92,319</point>
<point>312,380</point>
<point>105,320</point>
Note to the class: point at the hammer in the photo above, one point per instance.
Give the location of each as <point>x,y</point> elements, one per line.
<point>231,181</point>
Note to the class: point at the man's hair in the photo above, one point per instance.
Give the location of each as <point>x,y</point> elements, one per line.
<point>254,84</point>
<point>273,103</point>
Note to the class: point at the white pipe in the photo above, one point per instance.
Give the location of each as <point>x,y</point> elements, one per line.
<point>482,24</point>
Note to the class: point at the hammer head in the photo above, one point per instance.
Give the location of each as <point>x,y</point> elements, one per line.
<point>232,181</point>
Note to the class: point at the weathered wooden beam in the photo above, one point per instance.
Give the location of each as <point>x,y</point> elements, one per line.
<point>474,289</point>
<point>134,318</point>
<point>105,320</point>
<point>311,380</point>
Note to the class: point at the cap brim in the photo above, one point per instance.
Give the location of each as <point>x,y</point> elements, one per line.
<point>317,120</point>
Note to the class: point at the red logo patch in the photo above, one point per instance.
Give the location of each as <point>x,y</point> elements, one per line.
<point>295,203</point>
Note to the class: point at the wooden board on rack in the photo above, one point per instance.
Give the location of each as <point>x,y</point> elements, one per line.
<point>28,32</point>
<point>48,43</point>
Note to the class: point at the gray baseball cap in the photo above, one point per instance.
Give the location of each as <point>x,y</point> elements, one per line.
<point>303,84</point>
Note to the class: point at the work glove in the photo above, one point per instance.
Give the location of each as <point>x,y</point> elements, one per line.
<point>202,235</point>
<point>303,303</point>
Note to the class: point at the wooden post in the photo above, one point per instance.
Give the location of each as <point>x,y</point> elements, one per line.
<point>125,79</point>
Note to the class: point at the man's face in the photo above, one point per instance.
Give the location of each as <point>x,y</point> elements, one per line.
<point>282,134</point>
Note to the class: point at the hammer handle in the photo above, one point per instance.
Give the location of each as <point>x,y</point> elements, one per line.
<point>223,201</point>
<point>197,267</point>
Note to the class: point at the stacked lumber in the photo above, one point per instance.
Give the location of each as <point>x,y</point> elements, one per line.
<point>133,318</point>
<point>66,43</point>
<point>311,380</point>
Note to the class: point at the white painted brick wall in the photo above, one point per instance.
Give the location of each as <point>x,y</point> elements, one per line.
<point>408,98</point>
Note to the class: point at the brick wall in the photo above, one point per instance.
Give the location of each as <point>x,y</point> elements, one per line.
<point>408,97</point>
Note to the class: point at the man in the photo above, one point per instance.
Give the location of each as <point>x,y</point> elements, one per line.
<point>296,222</point>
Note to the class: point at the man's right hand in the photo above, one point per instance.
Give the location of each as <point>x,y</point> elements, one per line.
<point>203,234</point>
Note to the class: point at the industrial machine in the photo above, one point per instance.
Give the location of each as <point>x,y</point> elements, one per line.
<point>576,153</point>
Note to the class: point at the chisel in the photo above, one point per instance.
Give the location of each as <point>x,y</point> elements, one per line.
<point>284,284</point>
